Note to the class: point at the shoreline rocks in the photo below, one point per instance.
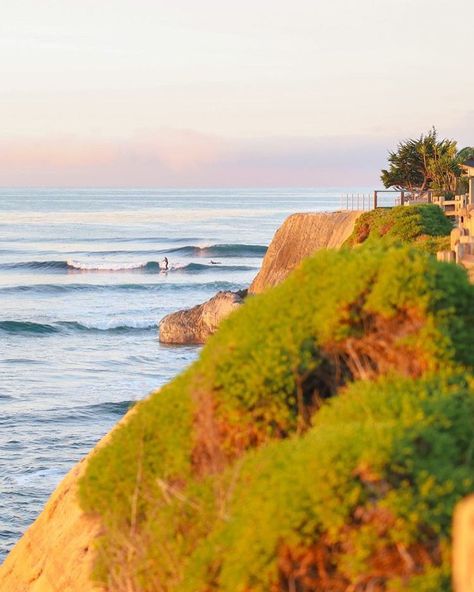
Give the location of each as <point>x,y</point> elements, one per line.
<point>195,325</point>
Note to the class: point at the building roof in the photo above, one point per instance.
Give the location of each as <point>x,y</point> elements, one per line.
<point>469,162</point>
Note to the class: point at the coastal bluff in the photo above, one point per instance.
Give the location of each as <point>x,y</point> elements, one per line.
<point>300,236</point>
<point>56,553</point>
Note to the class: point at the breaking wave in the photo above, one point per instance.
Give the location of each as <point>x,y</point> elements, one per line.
<point>148,266</point>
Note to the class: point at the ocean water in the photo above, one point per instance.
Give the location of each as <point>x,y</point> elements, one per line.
<point>81,293</point>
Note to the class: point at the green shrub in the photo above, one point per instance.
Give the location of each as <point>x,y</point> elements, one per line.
<point>370,309</point>
<point>164,484</point>
<point>375,480</point>
<point>422,224</point>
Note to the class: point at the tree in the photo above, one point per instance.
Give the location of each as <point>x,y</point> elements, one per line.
<point>466,153</point>
<point>463,155</point>
<point>444,167</point>
<point>409,163</point>
<point>424,163</point>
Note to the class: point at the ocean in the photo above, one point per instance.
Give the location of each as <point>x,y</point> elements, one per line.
<point>81,294</point>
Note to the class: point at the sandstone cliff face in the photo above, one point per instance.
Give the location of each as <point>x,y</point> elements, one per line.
<point>56,554</point>
<point>300,236</point>
<point>195,325</point>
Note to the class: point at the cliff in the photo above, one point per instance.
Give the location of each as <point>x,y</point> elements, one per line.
<point>299,237</point>
<point>195,325</point>
<point>247,485</point>
<point>237,471</point>
<point>247,477</point>
<point>57,552</point>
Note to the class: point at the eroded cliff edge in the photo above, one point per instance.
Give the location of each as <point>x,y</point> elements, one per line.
<point>56,553</point>
<point>298,237</point>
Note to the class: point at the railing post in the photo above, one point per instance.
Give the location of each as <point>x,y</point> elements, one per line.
<point>402,198</point>
<point>375,200</point>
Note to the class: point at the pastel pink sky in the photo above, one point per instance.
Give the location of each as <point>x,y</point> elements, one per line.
<point>212,93</point>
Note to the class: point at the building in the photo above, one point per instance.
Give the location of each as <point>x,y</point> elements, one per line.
<point>462,236</point>
<point>468,167</point>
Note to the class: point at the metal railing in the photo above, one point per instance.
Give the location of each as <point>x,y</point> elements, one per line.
<point>356,201</point>
<point>389,198</point>
<point>380,198</point>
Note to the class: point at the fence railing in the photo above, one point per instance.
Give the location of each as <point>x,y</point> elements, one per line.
<point>453,206</point>
<point>389,198</point>
<point>385,198</point>
<point>356,201</point>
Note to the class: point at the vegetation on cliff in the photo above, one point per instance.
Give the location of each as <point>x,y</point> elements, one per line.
<point>423,225</point>
<point>427,163</point>
<point>320,441</point>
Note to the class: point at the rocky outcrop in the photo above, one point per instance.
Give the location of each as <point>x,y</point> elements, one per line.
<point>195,325</point>
<point>300,236</point>
<point>57,552</point>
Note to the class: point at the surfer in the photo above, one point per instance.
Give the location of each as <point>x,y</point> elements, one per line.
<point>214,262</point>
<point>164,265</point>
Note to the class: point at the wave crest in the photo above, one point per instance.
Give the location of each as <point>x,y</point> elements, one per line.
<point>31,328</point>
<point>148,266</point>
<point>223,250</point>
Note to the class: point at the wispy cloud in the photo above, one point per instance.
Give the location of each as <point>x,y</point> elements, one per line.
<point>184,158</point>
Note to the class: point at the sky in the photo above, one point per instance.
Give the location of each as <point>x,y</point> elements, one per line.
<point>209,93</point>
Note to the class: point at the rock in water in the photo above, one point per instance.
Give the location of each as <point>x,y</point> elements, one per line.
<point>300,236</point>
<point>195,325</point>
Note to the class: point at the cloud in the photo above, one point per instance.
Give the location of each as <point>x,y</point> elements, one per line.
<point>185,158</point>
